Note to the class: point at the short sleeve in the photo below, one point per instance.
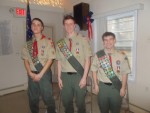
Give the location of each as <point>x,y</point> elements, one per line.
<point>58,54</point>
<point>94,65</point>
<point>87,48</point>
<point>24,53</point>
<point>51,50</point>
<point>125,69</point>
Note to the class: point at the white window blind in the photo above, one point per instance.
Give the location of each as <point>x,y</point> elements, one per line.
<point>124,27</point>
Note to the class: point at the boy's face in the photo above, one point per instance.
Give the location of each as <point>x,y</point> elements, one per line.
<point>109,42</point>
<point>69,26</point>
<point>36,27</point>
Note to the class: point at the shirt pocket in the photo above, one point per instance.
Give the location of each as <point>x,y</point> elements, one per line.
<point>43,52</point>
<point>78,52</point>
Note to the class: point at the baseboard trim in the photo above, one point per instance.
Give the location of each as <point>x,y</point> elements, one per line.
<point>13,89</point>
<point>137,109</point>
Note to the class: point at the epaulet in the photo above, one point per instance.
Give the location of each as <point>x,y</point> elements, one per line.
<point>124,54</point>
<point>51,42</point>
<point>121,52</point>
<point>86,38</point>
<point>49,38</point>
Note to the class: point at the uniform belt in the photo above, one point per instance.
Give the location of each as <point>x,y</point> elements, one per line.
<point>109,84</point>
<point>35,72</point>
<point>71,73</point>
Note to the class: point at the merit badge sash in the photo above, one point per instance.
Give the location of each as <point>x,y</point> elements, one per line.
<point>108,70</point>
<point>35,60</point>
<point>69,56</point>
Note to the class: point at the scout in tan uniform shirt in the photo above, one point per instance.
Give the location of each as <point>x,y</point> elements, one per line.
<point>39,81</point>
<point>109,98</point>
<point>70,81</point>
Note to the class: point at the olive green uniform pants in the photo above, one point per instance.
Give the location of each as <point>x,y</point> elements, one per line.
<point>109,99</point>
<point>70,90</point>
<point>42,88</point>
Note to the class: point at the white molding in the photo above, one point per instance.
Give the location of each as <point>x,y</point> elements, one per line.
<point>14,89</point>
<point>138,6</point>
<point>136,109</point>
<point>32,6</point>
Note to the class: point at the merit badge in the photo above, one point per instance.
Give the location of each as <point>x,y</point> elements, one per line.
<point>43,47</point>
<point>77,50</point>
<point>126,58</point>
<point>42,52</point>
<point>53,52</point>
<point>118,66</point>
<point>77,43</point>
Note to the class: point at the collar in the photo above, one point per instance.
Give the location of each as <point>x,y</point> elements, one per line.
<point>39,38</point>
<point>112,52</point>
<point>73,36</point>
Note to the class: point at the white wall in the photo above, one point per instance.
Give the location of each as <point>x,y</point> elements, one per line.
<point>139,90</point>
<point>12,71</point>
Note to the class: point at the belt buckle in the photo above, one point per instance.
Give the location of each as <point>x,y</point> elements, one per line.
<point>35,72</point>
<point>109,84</point>
<point>71,73</point>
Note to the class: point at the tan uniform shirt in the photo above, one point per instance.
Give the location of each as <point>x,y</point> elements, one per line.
<point>80,49</point>
<point>119,63</point>
<point>46,51</point>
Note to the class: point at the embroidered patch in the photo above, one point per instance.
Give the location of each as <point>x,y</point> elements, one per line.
<point>77,50</point>
<point>42,52</point>
<point>104,63</point>
<point>118,62</point>
<point>77,43</point>
<point>64,49</point>
<point>126,58</point>
<point>43,47</point>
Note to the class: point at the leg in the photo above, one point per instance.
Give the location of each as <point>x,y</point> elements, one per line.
<point>79,94</point>
<point>33,94</point>
<point>103,98</point>
<point>67,93</point>
<point>46,92</point>
<point>115,101</point>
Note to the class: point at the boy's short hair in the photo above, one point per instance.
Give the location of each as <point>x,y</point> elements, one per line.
<point>108,34</point>
<point>66,17</point>
<point>38,19</point>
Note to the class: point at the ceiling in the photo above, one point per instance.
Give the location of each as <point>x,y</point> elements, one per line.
<point>78,1</point>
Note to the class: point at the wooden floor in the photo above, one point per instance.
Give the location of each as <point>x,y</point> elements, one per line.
<point>18,103</point>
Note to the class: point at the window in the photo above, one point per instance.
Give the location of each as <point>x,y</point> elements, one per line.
<point>6,46</point>
<point>124,27</point>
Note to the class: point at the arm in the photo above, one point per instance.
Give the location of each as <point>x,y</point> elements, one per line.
<point>125,70</point>
<point>28,69</point>
<point>124,85</point>
<point>86,70</point>
<point>50,55</point>
<point>95,80</point>
<point>46,66</point>
<point>59,75</point>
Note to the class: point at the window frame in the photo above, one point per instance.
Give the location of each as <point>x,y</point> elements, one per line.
<point>132,75</point>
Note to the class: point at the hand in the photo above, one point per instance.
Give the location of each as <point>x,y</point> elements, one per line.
<point>60,84</point>
<point>122,92</point>
<point>82,83</point>
<point>96,89</point>
<point>37,78</point>
<point>32,75</point>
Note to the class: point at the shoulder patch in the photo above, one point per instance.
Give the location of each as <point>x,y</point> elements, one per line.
<point>126,58</point>
<point>122,52</point>
<point>49,38</point>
